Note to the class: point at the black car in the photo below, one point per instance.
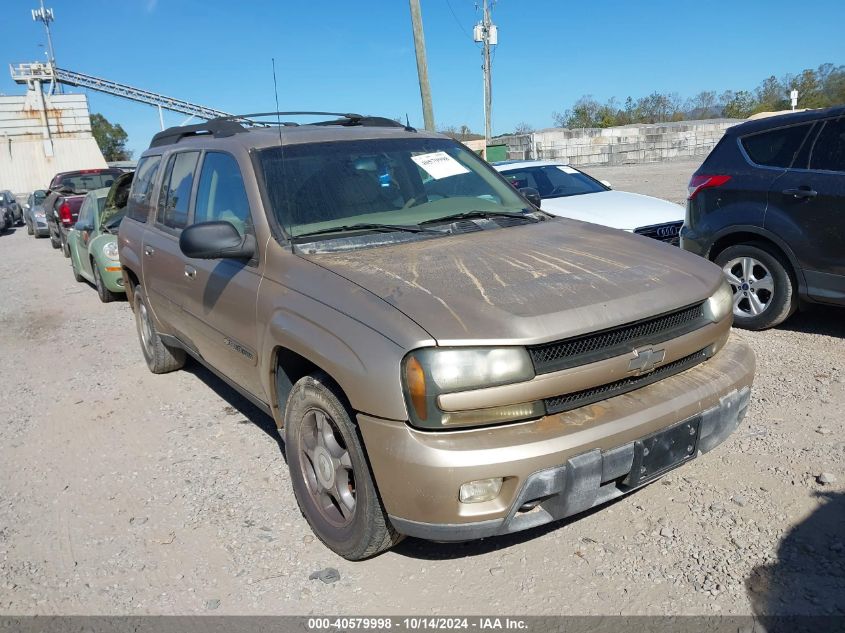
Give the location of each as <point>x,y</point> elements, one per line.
<point>768,206</point>
<point>9,207</point>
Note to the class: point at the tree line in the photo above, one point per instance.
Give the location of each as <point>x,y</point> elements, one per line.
<point>819,88</point>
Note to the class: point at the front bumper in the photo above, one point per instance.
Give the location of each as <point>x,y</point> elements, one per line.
<point>570,462</point>
<point>113,279</point>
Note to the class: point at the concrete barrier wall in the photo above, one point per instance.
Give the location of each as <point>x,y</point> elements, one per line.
<point>627,144</point>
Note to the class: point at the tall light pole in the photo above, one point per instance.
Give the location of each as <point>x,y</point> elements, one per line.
<point>488,35</point>
<point>46,16</point>
<point>422,65</point>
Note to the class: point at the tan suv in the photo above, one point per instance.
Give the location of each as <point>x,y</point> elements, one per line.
<point>443,359</point>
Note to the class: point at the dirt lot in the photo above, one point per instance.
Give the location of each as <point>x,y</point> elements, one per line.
<point>122,492</point>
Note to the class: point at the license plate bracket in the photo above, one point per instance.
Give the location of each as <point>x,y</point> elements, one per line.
<point>663,451</point>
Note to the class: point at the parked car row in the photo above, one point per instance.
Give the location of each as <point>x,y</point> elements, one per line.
<point>444,355</point>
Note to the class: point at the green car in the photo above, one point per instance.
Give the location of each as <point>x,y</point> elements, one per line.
<point>93,239</point>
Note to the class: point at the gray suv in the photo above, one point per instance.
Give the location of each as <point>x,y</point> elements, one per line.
<point>443,359</point>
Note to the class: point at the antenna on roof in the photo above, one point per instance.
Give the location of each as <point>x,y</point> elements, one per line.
<point>281,151</point>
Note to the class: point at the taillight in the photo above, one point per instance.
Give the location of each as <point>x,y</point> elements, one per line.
<point>705,181</point>
<point>65,214</point>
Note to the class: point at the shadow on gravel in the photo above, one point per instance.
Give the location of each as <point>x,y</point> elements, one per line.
<point>808,577</point>
<point>817,319</point>
<point>430,550</point>
<point>236,402</point>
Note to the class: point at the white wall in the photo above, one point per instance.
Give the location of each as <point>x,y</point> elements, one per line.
<point>29,157</point>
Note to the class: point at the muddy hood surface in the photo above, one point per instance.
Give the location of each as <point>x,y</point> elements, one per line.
<point>528,284</point>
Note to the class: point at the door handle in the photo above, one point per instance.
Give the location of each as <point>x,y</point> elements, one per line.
<point>801,192</point>
<point>149,251</point>
<point>190,272</point>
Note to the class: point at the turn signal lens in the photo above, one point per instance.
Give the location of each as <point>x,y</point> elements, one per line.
<point>415,379</point>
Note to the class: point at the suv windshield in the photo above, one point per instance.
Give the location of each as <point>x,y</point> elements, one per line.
<point>554,181</point>
<point>317,187</point>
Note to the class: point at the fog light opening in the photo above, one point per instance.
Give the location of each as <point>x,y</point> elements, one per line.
<point>480,490</point>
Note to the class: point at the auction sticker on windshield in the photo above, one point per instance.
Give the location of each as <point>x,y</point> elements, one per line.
<point>567,170</point>
<point>439,165</point>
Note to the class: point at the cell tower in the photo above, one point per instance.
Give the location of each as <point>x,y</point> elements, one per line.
<point>46,16</point>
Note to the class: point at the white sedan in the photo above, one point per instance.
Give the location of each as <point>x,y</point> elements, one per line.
<point>571,193</point>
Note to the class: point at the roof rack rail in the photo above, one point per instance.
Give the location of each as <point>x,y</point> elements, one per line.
<point>237,123</point>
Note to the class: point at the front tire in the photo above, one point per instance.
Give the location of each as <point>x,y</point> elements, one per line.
<point>761,279</point>
<point>29,230</point>
<point>329,472</point>
<point>106,295</point>
<point>160,358</point>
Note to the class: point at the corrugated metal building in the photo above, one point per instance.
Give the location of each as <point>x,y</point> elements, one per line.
<point>41,135</point>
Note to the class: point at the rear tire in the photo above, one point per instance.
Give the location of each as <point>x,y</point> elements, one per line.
<point>160,358</point>
<point>106,295</point>
<point>65,247</point>
<point>55,243</point>
<point>76,275</point>
<point>764,290</point>
<point>329,472</point>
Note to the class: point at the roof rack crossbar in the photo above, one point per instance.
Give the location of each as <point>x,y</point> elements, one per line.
<point>237,123</point>
<point>217,127</point>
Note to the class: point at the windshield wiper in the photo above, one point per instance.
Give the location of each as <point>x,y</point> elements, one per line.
<point>465,215</point>
<point>368,226</point>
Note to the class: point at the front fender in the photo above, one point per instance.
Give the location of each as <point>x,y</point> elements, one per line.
<point>364,363</point>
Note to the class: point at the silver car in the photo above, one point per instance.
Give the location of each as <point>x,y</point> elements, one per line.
<point>34,215</point>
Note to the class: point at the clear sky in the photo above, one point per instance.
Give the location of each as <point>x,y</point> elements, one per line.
<point>359,56</point>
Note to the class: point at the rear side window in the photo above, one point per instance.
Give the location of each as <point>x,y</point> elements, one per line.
<point>828,153</point>
<point>221,194</point>
<point>138,206</point>
<point>775,148</point>
<point>175,198</point>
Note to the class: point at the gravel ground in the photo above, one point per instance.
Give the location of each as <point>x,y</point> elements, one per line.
<point>122,492</point>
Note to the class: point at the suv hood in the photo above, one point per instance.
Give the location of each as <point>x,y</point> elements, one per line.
<point>616,209</point>
<point>527,284</point>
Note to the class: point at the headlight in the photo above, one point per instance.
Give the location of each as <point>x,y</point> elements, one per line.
<point>720,303</point>
<point>110,250</point>
<point>427,373</point>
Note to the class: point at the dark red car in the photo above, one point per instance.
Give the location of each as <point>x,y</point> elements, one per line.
<point>66,191</point>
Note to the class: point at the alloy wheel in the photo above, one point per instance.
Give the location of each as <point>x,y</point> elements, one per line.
<point>145,328</point>
<point>752,285</point>
<point>327,468</point>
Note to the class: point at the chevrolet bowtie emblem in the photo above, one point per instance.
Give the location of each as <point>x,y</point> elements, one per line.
<point>645,360</point>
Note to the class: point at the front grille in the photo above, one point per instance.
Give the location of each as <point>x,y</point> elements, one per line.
<point>570,401</point>
<point>668,232</point>
<point>613,342</point>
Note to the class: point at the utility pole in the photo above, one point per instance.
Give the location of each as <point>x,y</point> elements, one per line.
<point>422,65</point>
<point>46,16</point>
<point>488,35</point>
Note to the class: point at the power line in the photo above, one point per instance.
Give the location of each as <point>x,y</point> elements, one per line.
<point>457,21</point>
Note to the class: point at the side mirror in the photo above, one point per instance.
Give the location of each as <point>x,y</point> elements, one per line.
<point>79,226</point>
<point>606,184</point>
<point>26,206</point>
<point>216,240</point>
<point>532,195</point>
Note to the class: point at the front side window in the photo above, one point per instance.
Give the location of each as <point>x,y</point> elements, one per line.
<point>775,148</point>
<point>138,205</point>
<point>317,187</point>
<point>221,194</point>
<point>828,153</point>
<point>176,189</point>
